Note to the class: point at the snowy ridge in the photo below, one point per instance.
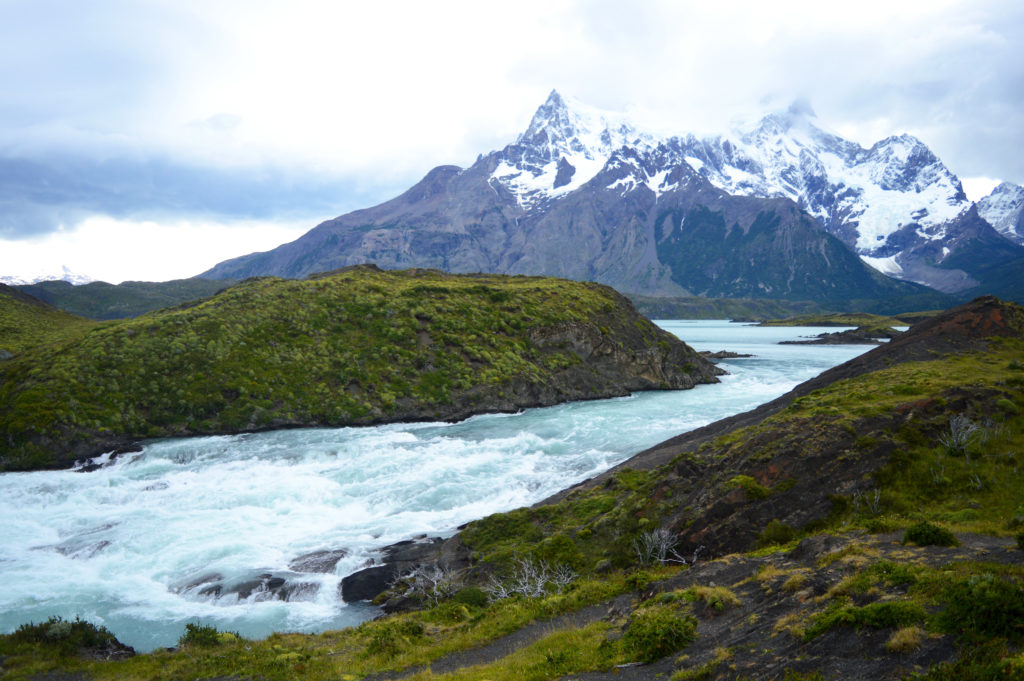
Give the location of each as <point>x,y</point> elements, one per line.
<point>1003,208</point>
<point>877,190</point>
<point>566,144</point>
<point>861,195</point>
<point>65,275</point>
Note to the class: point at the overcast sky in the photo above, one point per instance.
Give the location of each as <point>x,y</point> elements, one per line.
<point>143,139</point>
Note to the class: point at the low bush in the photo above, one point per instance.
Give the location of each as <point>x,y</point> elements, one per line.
<point>776,532</point>
<point>204,635</point>
<point>925,533</point>
<point>656,631</point>
<point>879,615</point>
<point>472,596</point>
<point>905,640</point>
<point>64,637</point>
<point>390,637</point>
<point>984,606</point>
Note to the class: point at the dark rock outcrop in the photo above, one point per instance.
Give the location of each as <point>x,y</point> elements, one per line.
<point>263,586</point>
<point>402,558</point>
<point>317,561</point>
<point>723,354</point>
<point>862,335</point>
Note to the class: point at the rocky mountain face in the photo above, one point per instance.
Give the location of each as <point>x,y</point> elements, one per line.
<point>584,194</point>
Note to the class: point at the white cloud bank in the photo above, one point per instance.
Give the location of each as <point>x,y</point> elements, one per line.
<point>370,96</point>
<point>126,250</point>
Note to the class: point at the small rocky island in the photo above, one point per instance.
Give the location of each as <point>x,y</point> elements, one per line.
<point>862,335</point>
<point>358,346</point>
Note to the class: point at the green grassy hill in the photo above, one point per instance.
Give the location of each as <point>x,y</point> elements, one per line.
<point>356,347</point>
<point>26,322</point>
<point>100,300</point>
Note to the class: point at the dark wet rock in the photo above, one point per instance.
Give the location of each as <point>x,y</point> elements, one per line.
<point>400,559</point>
<point>722,354</point>
<point>368,583</point>
<point>317,561</point>
<point>265,583</point>
<point>401,604</point>
<point>811,549</point>
<point>195,582</point>
<point>263,587</point>
<point>414,551</point>
<point>80,551</point>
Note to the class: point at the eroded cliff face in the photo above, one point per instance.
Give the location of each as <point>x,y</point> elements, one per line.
<point>611,353</point>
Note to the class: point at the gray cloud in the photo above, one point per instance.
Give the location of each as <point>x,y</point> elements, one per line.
<point>45,194</point>
<point>95,113</point>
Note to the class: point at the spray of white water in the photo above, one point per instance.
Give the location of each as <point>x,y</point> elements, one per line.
<point>131,545</point>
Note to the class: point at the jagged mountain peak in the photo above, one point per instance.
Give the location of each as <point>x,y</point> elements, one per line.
<point>566,144</point>
<point>798,114</point>
<point>565,126</point>
<point>1004,210</point>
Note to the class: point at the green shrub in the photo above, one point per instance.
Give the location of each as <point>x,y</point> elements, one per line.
<point>879,615</point>
<point>750,487</point>
<point>639,580</point>
<point>656,631</point>
<point>65,637</point>
<point>984,606</point>
<point>202,635</point>
<point>448,612</point>
<point>388,638</point>
<point>472,596</point>
<point>777,532</point>
<point>1008,406</point>
<point>925,533</point>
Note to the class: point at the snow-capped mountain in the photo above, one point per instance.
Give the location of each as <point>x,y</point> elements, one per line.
<point>1004,210</point>
<point>65,275</point>
<point>563,148</point>
<point>780,208</point>
<point>886,202</point>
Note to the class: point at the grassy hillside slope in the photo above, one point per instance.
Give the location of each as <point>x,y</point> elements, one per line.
<point>26,322</point>
<point>100,300</point>
<point>356,347</point>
